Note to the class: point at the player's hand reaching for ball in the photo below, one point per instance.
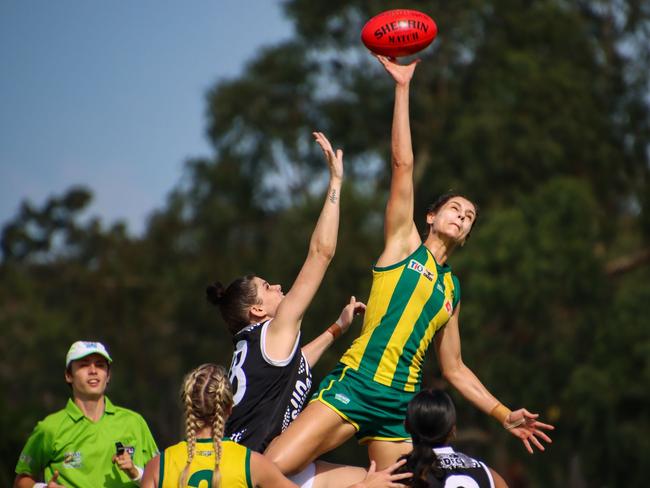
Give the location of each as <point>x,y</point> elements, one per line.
<point>334,159</point>
<point>401,73</point>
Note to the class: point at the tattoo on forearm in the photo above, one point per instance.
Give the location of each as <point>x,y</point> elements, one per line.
<point>333,197</point>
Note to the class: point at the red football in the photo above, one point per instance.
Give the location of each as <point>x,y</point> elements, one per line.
<point>399,32</point>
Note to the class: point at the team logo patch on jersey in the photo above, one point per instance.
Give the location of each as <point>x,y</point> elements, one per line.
<point>448,306</point>
<point>342,398</point>
<point>415,266</point>
<point>25,458</point>
<point>72,459</point>
<point>237,436</point>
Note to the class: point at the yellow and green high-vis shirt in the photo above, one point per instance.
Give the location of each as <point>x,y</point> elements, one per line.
<point>409,302</point>
<point>234,466</point>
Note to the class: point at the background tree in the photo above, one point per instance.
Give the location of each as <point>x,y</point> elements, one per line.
<point>537,110</point>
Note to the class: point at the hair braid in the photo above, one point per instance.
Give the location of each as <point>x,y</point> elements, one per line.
<point>207,397</point>
<point>222,395</point>
<point>191,423</point>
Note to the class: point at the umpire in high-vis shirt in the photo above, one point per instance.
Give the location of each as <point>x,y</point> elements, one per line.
<point>91,442</point>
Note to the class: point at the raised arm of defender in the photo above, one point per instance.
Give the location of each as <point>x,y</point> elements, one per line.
<point>286,324</point>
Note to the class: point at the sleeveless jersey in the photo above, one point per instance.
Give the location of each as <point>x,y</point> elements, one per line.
<point>461,471</point>
<point>268,394</point>
<point>409,302</point>
<point>234,466</point>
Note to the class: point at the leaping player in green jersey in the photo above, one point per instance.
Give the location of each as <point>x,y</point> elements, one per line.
<point>414,301</point>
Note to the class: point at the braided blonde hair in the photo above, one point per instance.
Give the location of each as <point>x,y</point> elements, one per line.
<point>206,397</point>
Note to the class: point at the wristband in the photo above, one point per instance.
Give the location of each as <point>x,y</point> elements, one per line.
<point>512,425</point>
<point>501,413</point>
<point>335,330</point>
<point>138,478</point>
<point>39,485</point>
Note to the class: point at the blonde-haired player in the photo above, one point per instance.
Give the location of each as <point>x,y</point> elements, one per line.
<point>205,457</point>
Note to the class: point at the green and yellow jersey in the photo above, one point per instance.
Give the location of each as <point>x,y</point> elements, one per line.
<point>234,465</point>
<point>409,302</point>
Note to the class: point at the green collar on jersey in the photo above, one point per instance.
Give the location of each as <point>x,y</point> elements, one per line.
<point>76,414</point>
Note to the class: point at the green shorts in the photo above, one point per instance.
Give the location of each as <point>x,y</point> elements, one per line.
<point>376,411</point>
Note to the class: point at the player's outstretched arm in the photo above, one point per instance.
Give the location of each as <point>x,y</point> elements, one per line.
<point>286,324</point>
<point>520,423</point>
<point>400,234</point>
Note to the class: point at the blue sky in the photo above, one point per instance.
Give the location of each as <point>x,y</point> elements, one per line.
<point>112,94</point>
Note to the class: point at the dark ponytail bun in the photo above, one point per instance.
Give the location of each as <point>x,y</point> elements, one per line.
<point>234,301</point>
<point>214,293</point>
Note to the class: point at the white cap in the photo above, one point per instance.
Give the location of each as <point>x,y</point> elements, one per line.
<point>81,349</point>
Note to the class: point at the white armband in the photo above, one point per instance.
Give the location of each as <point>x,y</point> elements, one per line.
<point>39,485</point>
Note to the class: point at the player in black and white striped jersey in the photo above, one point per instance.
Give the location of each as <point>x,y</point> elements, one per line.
<point>270,392</point>
<point>270,371</point>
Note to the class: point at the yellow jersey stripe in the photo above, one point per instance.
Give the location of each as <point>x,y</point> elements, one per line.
<point>408,303</point>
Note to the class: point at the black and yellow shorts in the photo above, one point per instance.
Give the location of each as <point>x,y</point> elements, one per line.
<point>376,411</point>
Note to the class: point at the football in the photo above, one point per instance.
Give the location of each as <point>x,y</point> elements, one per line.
<point>399,32</point>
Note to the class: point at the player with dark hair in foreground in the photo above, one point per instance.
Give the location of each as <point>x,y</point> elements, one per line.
<point>270,370</point>
<point>431,421</point>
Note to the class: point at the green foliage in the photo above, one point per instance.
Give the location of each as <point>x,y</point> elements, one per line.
<point>611,385</point>
<point>537,110</point>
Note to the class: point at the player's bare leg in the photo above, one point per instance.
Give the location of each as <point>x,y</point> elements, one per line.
<point>386,453</point>
<point>317,430</point>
